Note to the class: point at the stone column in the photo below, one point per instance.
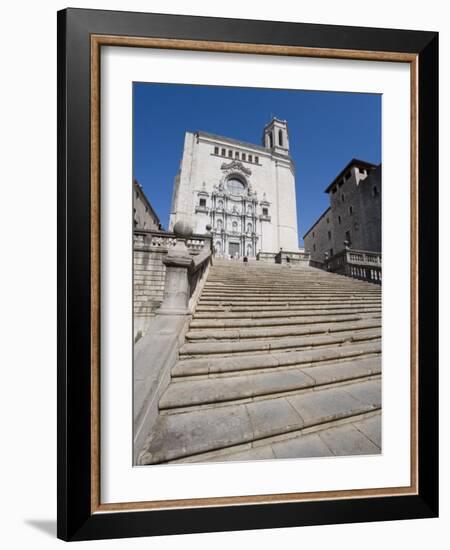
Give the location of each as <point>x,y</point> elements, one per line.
<point>178,262</point>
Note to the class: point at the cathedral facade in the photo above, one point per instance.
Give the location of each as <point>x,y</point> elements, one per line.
<point>244,193</point>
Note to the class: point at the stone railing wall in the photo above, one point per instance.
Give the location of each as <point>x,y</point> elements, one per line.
<point>359,264</point>
<point>156,350</point>
<point>266,257</point>
<point>286,257</point>
<point>149,250</point>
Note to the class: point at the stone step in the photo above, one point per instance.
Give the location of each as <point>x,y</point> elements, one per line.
<point>285,296</point>
<point>277,275</point>
<point>216,365</point>
<point>357,435</point>
<point>288,292</point>
<point>209,306</point>
<point>288,296</point>
<point>194,393</point>
<point>265,333</point>
<point>299,342</point>
<point>249,287</point>
<point>278,321</point>
<point>296,285</point>
<point>255,314</point>
<point>189,433</point>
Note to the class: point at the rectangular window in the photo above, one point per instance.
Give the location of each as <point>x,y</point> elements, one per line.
<point>257,160</point>
<point>223,152</point>
<point>265,211</point>
<point>230,154</point>
<point>314,247</point>
<point>243,156</point>
<point>329,235</point>
<point>350,209</point>
<point>347,237</point>
<point>339,219</point>
<point>202,202</point>
<point>236,154</point>
<point>331,252</point>
<point>250,158</point>
<point>328,220</point>
<point>216,150</point>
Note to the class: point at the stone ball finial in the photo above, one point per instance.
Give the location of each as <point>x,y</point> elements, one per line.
<point>182,230</point>
<point>208,228</point>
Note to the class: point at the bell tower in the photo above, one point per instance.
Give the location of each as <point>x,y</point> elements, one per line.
<point>275,136</point>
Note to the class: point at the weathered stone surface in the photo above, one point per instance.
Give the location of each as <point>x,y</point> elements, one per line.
<point>345,370</point>
<point>347,440</point>
<point>273,416</point>
<point>196,392</point>
<point>214,364</point>
<point>259,453</point>
<point>304,446</point>
<point>224,364</point>
<point>274,321</point>
<point>329,404</point>
<point>371,428</point>
<point>366,392</point>
<point>327,339</point>
<point>287,330</point>
<point>190,433</point>
<point>246,390</point>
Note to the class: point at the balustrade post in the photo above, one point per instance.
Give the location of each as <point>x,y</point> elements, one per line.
<point>178,261</point>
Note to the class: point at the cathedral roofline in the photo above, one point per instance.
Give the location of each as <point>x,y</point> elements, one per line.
<point>234,141</point>
<point>353,162</point>
<point>240,143</point>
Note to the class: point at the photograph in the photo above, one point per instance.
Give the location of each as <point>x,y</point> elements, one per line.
<point>247,273</point>
<point>257,273</point>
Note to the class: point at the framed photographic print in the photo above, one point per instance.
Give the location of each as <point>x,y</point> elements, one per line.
<point>247,274</point>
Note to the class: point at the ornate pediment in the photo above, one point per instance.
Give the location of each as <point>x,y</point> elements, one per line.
<point>236,165</point>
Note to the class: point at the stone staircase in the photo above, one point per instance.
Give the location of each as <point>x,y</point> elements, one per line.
<point>278,361</point>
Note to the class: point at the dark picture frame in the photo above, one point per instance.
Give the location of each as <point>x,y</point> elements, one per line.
<point>81,34</point>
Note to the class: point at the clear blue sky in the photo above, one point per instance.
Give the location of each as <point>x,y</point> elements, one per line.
<point>326,130</point>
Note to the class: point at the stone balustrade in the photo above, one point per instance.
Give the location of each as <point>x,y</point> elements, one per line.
<point>183,270</point>
<point>165,240</point>
<point>149,250</point>
<point>359,264</point>
<point>292,257</point>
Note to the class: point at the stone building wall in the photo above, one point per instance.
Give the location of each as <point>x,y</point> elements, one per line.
<point>370,197</point>
<point>144,217</point>
<point>148,284</point>
<point>318,240</point>
<point>354,214</point>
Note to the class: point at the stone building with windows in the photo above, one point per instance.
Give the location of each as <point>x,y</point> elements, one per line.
<point>144,217</point>
<point>354,214</point>
<point>244,191</point>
